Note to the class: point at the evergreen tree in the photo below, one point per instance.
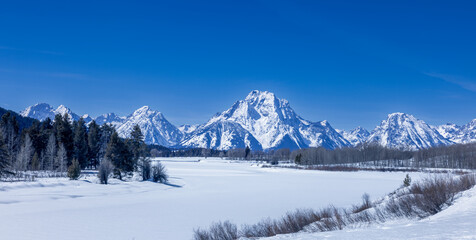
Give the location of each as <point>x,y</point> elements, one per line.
<point>247,152</point>
<point>94,143</point>
<point>137,144</point>
<point>297,159</point>
<point>35,162</point>
<point>64,134</point>
<point>74,170</point>
<point>4,159</point>
<point>106,132</point>
<point>119,154</point>
<point>10,132</point>
<point>407,181</point>
<point>80,143</point>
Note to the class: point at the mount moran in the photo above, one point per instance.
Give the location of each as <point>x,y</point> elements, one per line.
<point>262,121</point>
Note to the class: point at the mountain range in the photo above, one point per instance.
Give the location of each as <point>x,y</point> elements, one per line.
<point>263,121</point>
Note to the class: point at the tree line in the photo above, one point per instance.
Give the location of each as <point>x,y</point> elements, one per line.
<point>63,146</point>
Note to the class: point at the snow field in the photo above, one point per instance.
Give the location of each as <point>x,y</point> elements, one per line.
<point>200,192</point>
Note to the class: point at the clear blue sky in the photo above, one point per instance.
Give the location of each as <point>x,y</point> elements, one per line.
<point>350,62</point>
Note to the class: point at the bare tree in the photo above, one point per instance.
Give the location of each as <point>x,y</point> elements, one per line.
<point>50,153</point>
<point>61,158</point>
<point>105,170</point>
<point>25,154</point>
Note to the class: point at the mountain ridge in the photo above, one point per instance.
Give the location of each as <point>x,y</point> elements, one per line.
<point>263,121</point>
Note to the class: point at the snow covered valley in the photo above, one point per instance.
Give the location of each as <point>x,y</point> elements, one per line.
<point>199,193</point>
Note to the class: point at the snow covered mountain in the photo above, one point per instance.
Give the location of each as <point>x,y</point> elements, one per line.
<point>42,111</point>
<point>154,126</point>
<point>402,130</point>
<point>356,136</point>
<point>263,121</point>
<point>110,118</point>
<point>221,135</point>
<point>267,119</point>
<point>448,131</point>
<point>459,134</point>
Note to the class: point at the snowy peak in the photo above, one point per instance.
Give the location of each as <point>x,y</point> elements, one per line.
<point>42,111</point>
<point>459,134</point>
<point>356,136</point>
<point>154,126</point>
<point>402,130</point>
<point>110,118</point>
<point>448,130</point>
<point>274,124</point>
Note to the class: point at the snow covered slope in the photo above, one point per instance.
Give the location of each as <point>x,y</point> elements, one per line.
<point>154,126</point>
<point>402,130</point>
<point>201,191</point>
<point>457,134</point>
<point>264,121</point>
<point>110,118</point>
<point>355,136</point>
<point>448,131</point>
<point>269,120</point>
<point>42,111</point>
<point>455,222</point>
<point>221,135</point>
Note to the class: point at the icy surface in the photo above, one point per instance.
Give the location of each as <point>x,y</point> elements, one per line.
<point>201,192</point>
<point>455,222</point>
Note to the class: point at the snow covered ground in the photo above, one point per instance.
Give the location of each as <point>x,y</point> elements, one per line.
<point>455,222</point>
<point>200,193</point>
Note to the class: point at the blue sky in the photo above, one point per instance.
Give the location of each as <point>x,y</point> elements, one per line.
<point>349,62</point>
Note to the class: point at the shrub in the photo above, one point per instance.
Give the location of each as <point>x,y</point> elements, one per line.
<point>145,168</point>
<point>422,199</point>
<point>105,169</point>
<point>74,171</point>
<point>407,181</point>
<point>218,231</point>
<point>159,173</point>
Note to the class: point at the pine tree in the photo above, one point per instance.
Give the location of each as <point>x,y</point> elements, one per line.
<point>74,170</point>
<point>106,132</point>
<point>119,154</point>
<point>4,159</point>
<point>297,159</point>
<point>407,181</point>
<point>247,152</point>
<point>94,143</point>
<point>64,134</point>
<point>10,135</point>
<point>80,143</point>
<point>35,162</point>
<point>137,143</point>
